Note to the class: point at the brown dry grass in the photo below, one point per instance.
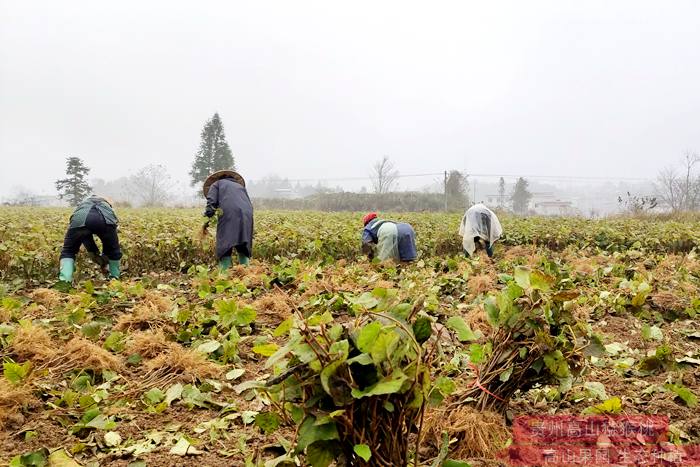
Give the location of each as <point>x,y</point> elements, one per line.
<point>80,353</point>
<point>177,362</point>
<point>519,251</point>
<point>251,275</point>
<point>583,266</point>
<point>480,284</point>
<point>47,297</point>
<point>273,308</point>
<point>148,344</point>
<point>149,314</point>
<point>318,287</point>
<point>12,400</point>
<point>476,319</point>
<point>478,434</point>
<point>669,301</point>
<point>33,343</point>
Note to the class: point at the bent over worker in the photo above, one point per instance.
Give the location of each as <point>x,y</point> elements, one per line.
<point>225,190</point>
<point>391,240</point>
<point>480,226</point>
<point>93,216</point>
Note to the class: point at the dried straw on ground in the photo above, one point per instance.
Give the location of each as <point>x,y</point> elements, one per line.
<point>47,297</point>
<point>80,353</point>
<point>480,284</point>
<point>669,301</point>
<point>12,399</point>
<point>33,343</point>
<point>149,314</point>
<point>477,434</point>
<point>273,308</point>
<point>148,344</point>
<point>179,363</point>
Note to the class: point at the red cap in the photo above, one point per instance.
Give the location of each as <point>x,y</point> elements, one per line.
<point>369,217</point>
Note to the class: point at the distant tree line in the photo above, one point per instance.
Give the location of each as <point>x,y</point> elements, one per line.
<point>403,201</point>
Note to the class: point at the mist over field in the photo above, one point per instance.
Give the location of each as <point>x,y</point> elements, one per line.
<point>587,100</point>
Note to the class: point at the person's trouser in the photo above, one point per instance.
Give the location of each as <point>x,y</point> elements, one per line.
<point>406,242</point>
<point>225,262</point>
<point>94,225</point>
<point>479,241</point>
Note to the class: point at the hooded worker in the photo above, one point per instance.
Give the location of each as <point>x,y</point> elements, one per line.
<point>225,190</point>
<point>391,240</point>
<point>93,216</point>
<point>480,226</point>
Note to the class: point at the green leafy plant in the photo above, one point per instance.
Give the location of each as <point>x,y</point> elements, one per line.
<point>356,390</point>
<point>535,338</point>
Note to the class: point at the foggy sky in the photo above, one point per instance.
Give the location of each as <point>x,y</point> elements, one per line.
<point>324,88</point>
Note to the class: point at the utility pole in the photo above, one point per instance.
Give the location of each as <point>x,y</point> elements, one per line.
<point>445,190</point>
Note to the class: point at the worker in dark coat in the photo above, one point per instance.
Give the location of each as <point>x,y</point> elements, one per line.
<point>93,216</point>
<point>225,190</point>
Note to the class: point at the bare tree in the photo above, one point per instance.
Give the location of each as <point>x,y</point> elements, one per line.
<point>690,182</point>
<point>151,185</point>
<point>384,176</point>
<point>681,192</point>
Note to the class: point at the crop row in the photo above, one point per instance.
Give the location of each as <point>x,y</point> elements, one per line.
<point>169,239</point>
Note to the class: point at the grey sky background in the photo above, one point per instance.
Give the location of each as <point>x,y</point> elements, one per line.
<point>324,88</point>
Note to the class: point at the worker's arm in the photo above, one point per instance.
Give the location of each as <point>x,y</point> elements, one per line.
<point>368,244</point>
<point>212,200</point>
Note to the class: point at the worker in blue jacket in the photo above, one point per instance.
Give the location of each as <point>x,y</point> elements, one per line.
<point>387,239</point>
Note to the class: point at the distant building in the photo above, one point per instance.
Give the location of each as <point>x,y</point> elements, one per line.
<point>554,208</point>
<point>286,193</point>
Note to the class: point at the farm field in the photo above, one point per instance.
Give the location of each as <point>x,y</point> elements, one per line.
<point>313,353</point>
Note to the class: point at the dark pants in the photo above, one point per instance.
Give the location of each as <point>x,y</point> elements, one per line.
<point>489,247</point>
<point>240,249</point>
<point>94,225</point>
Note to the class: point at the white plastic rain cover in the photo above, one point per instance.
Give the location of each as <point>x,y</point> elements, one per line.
<point>479,221</point>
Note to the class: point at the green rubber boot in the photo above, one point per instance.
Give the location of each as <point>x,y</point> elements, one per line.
<point>225,263</point>
<point>243,259</point>
<point>67,269</point>
<point>114,270</point>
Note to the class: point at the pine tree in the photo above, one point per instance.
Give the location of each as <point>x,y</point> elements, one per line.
<point>74,187</point>
<point>521,196</point>
<point>214,152</point>
<point>501,193</point>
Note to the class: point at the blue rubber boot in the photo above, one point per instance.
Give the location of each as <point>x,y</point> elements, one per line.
<point>243,259</point>
<point>67,269</point>
<point>225,263</point>
<point>114,270</point>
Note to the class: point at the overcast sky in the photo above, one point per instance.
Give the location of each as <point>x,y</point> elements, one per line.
<point>322,89</point>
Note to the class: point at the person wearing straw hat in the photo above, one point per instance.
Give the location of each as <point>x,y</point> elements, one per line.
<point>93,216</point>
<point>480,227</point>
<point>225,190</point>
<point>388,239</point>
